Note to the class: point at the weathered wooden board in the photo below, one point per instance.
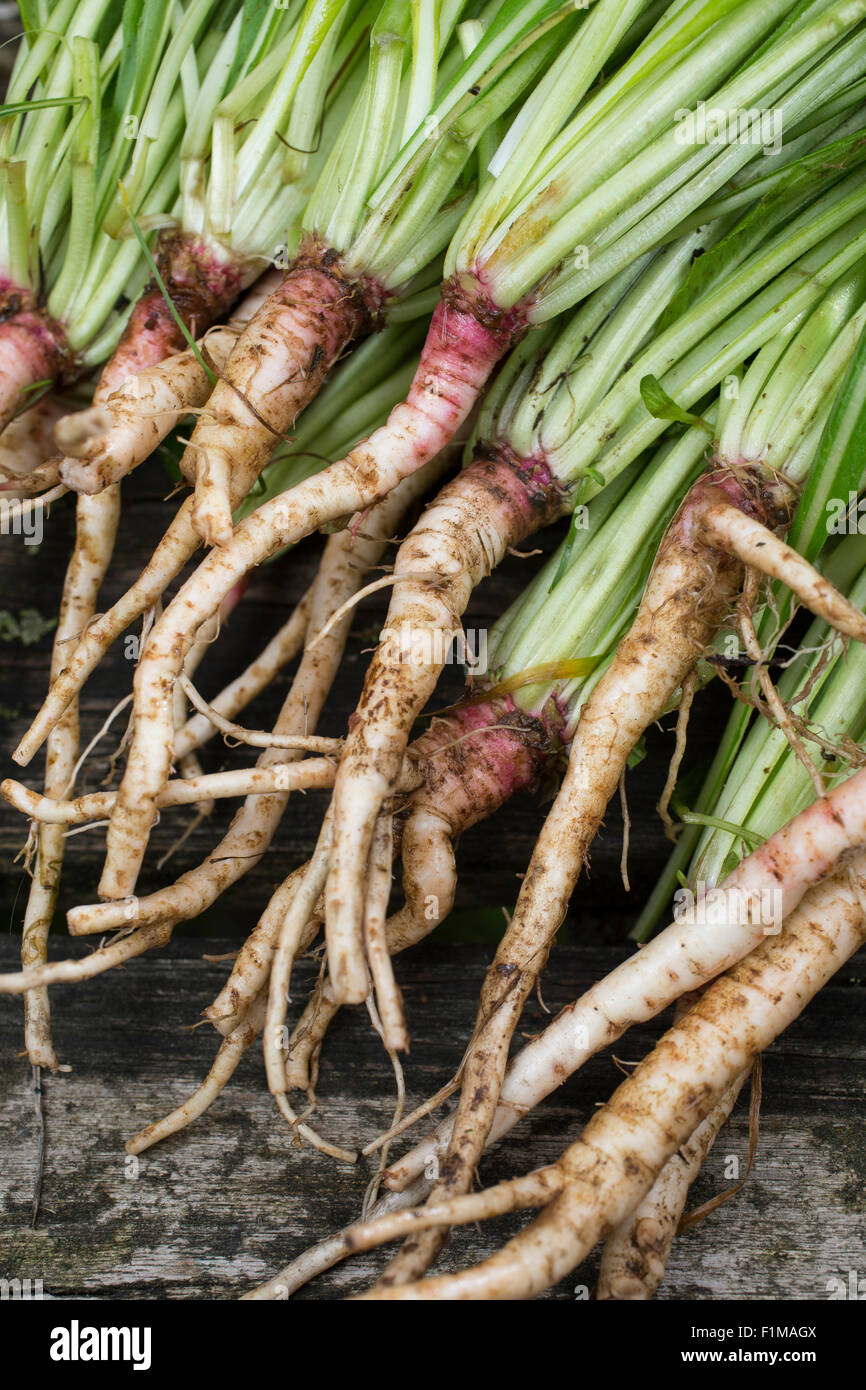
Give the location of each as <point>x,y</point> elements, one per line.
<point>228,1202</point>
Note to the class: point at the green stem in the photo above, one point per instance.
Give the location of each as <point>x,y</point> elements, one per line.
<point>85,150</point>
<point>577,207</point>
<point>425,53</point>
<point>774,293</point>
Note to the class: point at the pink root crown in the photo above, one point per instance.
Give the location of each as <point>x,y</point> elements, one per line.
<point>202,285</point>
<point>479,755</point>
<point>371,295</point>
<point>195,265</point>
<point>471,300</point>
<point>32,347</point>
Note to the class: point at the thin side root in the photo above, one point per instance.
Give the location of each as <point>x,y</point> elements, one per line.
<point>316,1140</point>
<point>63,972</point>
<point>734,533</point>
<point>258,738</point>
<point>253,781</point>
<point>687,696</point>
<point>521,1194</point>
<point>771,695</point>
<point>224,1066</point>
<point>394,1032</point>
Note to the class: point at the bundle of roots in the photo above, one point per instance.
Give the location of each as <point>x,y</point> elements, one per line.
<point>501,254</point>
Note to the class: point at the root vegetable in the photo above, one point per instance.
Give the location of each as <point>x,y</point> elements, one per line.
<point>767,777</point>
<point>624,1147</point>
<point>691,588</point>
<point>312,317</point>
<point>109,440</point>
<point>94,543</point>
<point>581,397</point>
<point>635,1254</point>
<point>346,559</point>
<point>146,340</point>
<point>723,524</point>
<point>351,382</point>
<point>380,214</point>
